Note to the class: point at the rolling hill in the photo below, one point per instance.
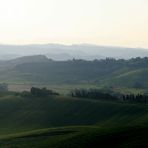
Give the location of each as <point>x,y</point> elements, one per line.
<point>60,122</point>
<point>111,73</point>
<point>17,113</point>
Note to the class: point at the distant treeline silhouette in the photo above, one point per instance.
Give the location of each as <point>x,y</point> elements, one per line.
<point>139,98</point>
<point>42,91</point>
<point>99,95</point>
<point>38,92</point>
<point>89,94</point>
<point>92,93</point>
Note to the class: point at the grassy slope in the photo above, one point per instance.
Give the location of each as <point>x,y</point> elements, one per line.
<point>129,77</point>
<point>102,73</point>
<point>80,137</point>
<point>125,78</point>
<point>31,113</point>
<point>77,73</point>
<point>18,115</point>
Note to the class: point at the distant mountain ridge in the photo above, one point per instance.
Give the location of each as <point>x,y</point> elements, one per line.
<point>65,52</point>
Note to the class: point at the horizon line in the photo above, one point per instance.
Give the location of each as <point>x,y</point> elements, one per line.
<point>72,44</point>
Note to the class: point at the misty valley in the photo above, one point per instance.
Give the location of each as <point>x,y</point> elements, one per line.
<point>73,103</point>
<point>73,73</point>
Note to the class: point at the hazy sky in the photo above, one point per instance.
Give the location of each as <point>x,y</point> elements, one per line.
<point>105,22</point>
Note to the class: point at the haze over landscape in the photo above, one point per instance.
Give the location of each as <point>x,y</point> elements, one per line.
<point>101,22</point>
<point>73,73</point>
<point>68,52</point>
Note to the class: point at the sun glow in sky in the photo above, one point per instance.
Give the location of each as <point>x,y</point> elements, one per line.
<point>105,22</point>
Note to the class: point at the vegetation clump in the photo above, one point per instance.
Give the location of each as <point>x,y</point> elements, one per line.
<point>42,92</point>
<point>92,93</point>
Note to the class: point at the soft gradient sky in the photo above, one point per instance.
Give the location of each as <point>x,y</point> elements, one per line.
<point>105,22</point>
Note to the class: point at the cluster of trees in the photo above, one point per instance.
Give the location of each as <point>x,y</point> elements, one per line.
<point>38,92</point>
<point>42,92</point>
<point>92,93</point>
<point>139,98</point>
<point>99,95</point>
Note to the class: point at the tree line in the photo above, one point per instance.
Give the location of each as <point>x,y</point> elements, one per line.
<point>92,93</point>
<point>139,98</point>
<point>99,95</point>
<point>39,92</point>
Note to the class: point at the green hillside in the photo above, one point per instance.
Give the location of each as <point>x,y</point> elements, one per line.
<point>80,137</point>
<point>64,121</point>
<point>136,78</point>
<point>50,112</point>
<point>34,113</point>
<point>130,73</point>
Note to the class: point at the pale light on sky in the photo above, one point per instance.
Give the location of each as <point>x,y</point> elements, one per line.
<point>104,22</point>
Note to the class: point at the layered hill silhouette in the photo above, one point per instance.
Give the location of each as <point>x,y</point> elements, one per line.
<point>63,121</point>
<point>67,52</point>
<point>105,72</point>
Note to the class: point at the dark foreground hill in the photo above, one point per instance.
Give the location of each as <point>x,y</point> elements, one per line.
<point>60,122</point>
<point>18,113</point>
<point>79,137</point>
